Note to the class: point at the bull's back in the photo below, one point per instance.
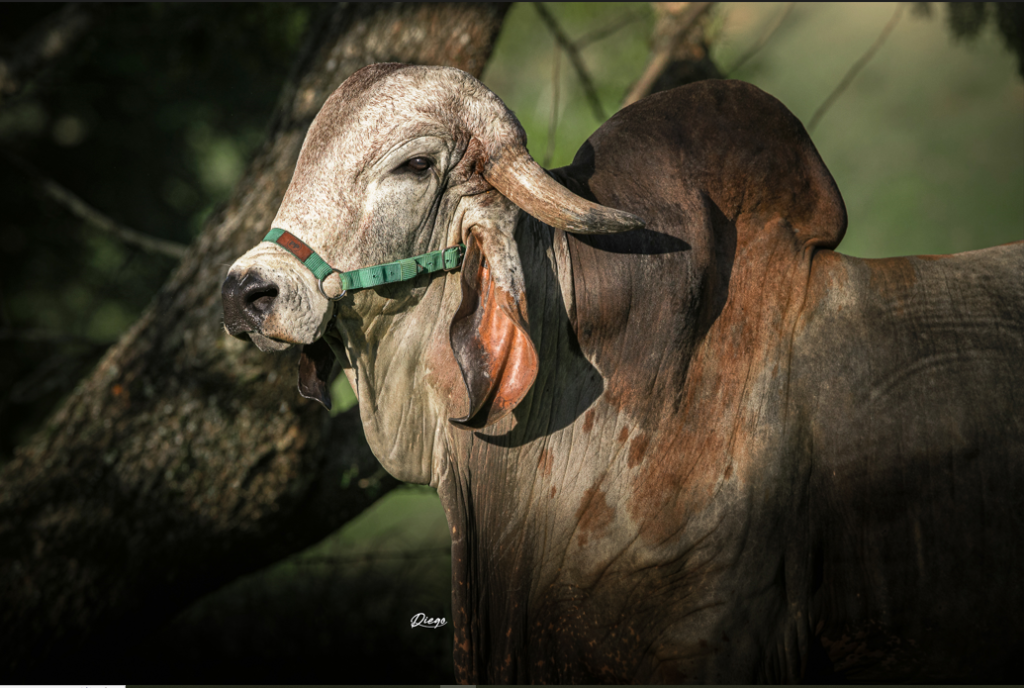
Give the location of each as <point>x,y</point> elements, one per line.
<point>911,379</point>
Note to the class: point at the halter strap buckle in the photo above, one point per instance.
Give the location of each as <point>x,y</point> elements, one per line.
<point>320,284</point>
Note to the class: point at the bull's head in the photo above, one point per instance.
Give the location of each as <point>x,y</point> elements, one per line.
<point>404,160</point>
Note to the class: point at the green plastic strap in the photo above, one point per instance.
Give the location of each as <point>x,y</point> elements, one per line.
<point>405,269</point>
<point>398,271</point>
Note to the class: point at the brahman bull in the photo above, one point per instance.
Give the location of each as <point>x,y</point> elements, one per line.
<point>705,449</point>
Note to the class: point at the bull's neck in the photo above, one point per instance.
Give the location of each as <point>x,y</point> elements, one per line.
<point>569,519</point>
<point>504,488</point>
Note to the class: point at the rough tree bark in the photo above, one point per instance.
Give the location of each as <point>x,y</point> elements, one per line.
<point>187,458</point>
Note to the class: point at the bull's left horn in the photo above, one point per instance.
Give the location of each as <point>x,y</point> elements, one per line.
<point>520,179</point>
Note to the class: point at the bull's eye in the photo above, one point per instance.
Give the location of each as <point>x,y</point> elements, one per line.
<point>419,164</point>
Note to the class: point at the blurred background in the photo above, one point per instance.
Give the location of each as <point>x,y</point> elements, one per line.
<point>145,128</point>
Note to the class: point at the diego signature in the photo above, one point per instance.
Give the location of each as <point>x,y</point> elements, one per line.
<point>425,621</point>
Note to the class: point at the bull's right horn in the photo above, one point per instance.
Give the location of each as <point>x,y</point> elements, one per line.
<point>520,179</point>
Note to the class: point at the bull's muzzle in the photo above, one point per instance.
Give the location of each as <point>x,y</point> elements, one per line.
<point>247,299</point>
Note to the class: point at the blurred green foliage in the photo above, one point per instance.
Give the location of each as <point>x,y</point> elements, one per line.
<point>615,49</point>
<point>926,144</point>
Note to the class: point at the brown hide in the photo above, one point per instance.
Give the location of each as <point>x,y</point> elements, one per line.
<point>681,320</point>
<point>681,317</point>
<point>736,172</point>
<point>916,417</point>
<point>714,515</point>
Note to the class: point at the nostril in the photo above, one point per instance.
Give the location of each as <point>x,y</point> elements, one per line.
<point>248,299</point>
<point>261,300</point>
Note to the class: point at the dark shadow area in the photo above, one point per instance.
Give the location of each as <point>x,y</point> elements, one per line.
<point>320,623</point>
<point>636,242</point>
<point>819,669</point>
<point>716,287</point>
<point>338,612</point>
<point>576,178</point>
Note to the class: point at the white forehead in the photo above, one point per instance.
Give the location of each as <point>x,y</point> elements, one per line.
<point>356,126</point>
<point>373,112</point>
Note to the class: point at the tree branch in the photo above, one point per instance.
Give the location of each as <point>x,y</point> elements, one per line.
<point>367,557</point>
<point>82,210</point>
<point>764,38</point>
<point>574,57</point>
<point>47,336</point>
<point>855,69</point>
<point>602,33</point>
<point>553,122</point>
<point>677,26</point>
<point>55,36</point>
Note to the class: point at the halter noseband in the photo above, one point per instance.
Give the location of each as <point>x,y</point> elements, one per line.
<point>446,259</point>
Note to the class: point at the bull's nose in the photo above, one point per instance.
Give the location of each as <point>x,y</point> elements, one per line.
<point>246,299</point>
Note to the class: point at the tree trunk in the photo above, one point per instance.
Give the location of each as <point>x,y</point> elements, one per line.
<point>187,458</point>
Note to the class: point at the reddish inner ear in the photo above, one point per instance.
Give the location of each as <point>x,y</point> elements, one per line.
<point>490,339</point>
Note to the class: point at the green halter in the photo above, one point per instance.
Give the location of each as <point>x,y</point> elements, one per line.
<point>399,271</point>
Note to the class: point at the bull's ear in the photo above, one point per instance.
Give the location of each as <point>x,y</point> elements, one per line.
<point>490,331</point>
